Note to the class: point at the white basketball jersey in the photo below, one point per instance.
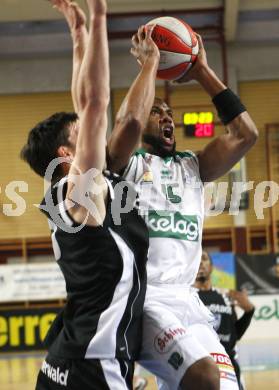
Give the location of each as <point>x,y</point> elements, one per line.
<point>171,202</point>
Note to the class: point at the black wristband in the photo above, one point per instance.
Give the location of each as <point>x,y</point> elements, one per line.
<point>228,105</point>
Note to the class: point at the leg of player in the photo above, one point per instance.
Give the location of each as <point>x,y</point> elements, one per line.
<point>173,353</point>
<point>203,374</point>
<point>179,345</point>
<point>206,336</point>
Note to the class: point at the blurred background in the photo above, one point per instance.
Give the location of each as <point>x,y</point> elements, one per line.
<point>242,40</point>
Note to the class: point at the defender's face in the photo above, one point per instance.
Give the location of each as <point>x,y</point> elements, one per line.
<point>73,134</point>
<point>74,129</point>
<point>205,267</point>
<point>161,126</point>
<point>68,151</point>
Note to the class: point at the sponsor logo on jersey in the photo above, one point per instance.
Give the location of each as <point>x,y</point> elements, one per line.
<point>172,225</point>
<point>147,178</point>
<point>166,174</point>
<point>55,374</point>
<point>217,308</point>
<point>167,338</point>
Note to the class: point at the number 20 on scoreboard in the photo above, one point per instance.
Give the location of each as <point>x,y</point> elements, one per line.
<point>198,124</point>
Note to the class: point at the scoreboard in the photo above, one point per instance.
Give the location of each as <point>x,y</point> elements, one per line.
<point>198,124</point>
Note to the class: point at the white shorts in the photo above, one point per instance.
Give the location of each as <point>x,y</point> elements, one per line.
<point>177,332</point>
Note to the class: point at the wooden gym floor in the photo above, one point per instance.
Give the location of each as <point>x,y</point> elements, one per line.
<point>18,372</point>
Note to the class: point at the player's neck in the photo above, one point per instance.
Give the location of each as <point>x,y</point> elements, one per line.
<point>204,285</point>
<point>147,148</point>
<point>155,148</point>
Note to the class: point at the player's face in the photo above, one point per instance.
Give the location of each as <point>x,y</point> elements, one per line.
<point>68,151</point>
<point>160,125</point>
<point>72,138</point>
<point>205,267</point>
<point>73,134</point>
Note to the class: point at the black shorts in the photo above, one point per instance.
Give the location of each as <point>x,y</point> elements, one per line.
<point>85,374</point>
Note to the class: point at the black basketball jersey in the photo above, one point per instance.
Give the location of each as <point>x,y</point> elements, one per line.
<point>105,273</point>
<point>224,314</point>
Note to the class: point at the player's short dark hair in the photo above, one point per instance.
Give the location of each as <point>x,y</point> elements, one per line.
<point>44,140</point>
<point>159,100</point>
<point>209,256</point>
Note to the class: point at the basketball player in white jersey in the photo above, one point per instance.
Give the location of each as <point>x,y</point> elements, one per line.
<point>178,342</point>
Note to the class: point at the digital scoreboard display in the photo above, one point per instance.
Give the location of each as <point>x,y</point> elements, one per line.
<point>198,124</point>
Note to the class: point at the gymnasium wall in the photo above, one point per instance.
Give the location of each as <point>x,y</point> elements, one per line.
<point>21,111</point>
<point>51,72</point>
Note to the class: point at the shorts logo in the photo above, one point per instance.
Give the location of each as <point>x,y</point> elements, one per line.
<point>225,366</point>
<point>172,225</point>
<point>228,375</point>
<point>175,360</point>
<point>221,359</point>
<point>54,374</point>
<point>167,338</point>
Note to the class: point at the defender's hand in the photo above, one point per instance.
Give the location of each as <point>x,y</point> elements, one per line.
<point>72,12</point>
<point>143,45</point>
<point>97,7</point>
<point>240,298</point>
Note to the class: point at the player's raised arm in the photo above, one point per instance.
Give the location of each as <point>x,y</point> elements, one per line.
<point>135,109</point>
<point>93,99</point>
<point>76,20</point>
<point>220,155</point>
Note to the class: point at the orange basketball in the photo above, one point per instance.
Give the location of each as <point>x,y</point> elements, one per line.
<point>178,46</point>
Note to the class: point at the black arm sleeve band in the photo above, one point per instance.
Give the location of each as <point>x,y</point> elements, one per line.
<point>243,323</point>
<point>228,105</point>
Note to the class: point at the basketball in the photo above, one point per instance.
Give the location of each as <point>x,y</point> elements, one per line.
<point>178,46</point>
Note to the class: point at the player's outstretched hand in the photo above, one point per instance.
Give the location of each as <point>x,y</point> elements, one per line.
<point>72,12</point>
<point>200,64</point>
<point>240,298</point>
<point>97,7</point>
<point>143,45</point>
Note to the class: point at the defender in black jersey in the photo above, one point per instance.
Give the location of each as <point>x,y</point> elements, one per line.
<point>94,341</point>
<point>221,303</point>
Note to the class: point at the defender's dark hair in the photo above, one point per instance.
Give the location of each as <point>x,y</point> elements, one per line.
<point>44,140</point>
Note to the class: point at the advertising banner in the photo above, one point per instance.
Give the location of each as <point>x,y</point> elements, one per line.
<point>258,274</point>
<point>31,282</point>
<point>259,347</point>
<point>265,322</point>
<point>223,275</point>
<point>25,329</point>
